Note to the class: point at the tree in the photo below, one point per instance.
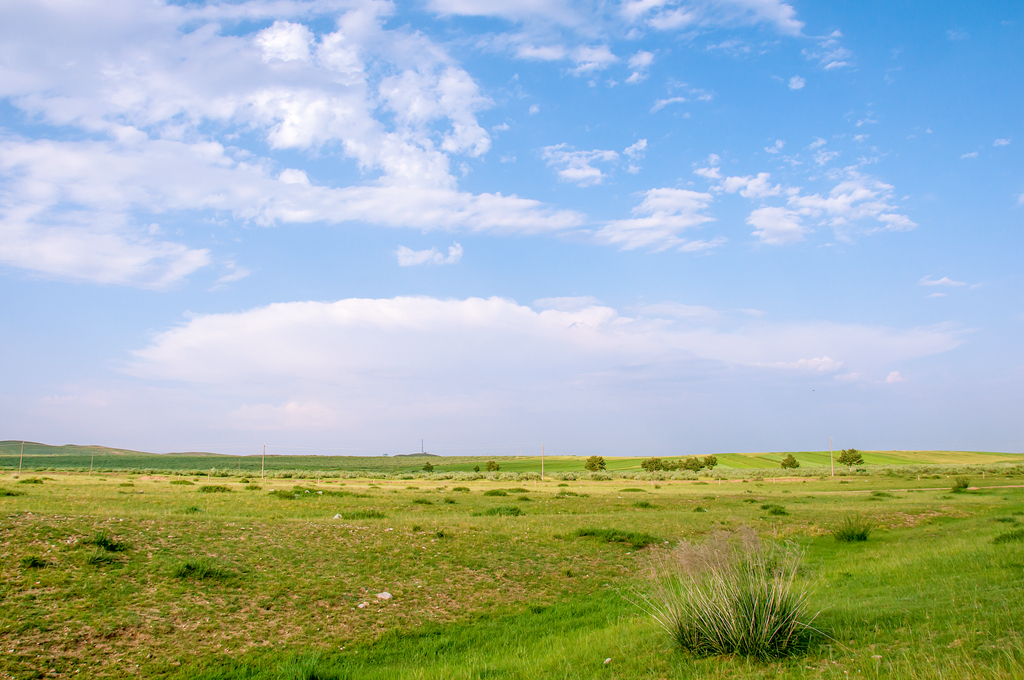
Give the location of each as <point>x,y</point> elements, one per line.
<point>595,463</point>
<point>693,463</point>
<point>476,468</point>
<point>492,466</point>
<point>789,462</point>
<point>851,457</point>
<point>428,467</point>
<point>653,464</point>
<point>710,462</point>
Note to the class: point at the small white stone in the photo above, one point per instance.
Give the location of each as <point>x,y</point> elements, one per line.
<point>384,596</point>
<point>364,605</point>
<point>607,661</point>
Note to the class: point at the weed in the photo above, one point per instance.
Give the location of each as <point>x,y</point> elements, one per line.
<point>503,511</point>
<point>199,568</point>
<point>253,487</point>
<point>627,490</point>
<point>854,528</point>
<point>461,489</point>
<point>881,494</point>
<point>517,490</point>
<point>422,501</point>
<point>33,562</point>
<point>439,534</point>
<point>1015,536</point>
<point>363,514</point>
<point>644,504</point>
<point>700,509</point>
<point>732,595</point>
<point>495,492</point>
<point>182,482</point>
<point>414,488</point>
<point>524,498</point>
<point>191,510</point>
<point>449,501</point>
<point>127,484</point>
<point>11,492</point>
<point>214,489</point>
<point>30,480</point>
<point>774,509</point>
<point>99,558</point>
<point>635,539</point>
<point>960,484</point>
<point>416,528</point>
<point>104,541</point>
<point>563,484</point>
<point>1007,520</point>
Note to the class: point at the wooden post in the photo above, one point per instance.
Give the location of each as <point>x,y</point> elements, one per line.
<point>542,461</point>
<point>832,456</point>
<point>21,458</point>
<point>263,464</point>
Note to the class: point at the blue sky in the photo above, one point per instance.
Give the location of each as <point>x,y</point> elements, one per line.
<point>632,228</point>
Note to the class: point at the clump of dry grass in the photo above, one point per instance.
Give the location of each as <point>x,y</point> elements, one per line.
<point>733,594</point>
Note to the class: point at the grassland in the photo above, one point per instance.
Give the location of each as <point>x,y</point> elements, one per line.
<point>165,576</point>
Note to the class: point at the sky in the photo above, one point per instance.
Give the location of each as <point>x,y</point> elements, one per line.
<point>647,227</point>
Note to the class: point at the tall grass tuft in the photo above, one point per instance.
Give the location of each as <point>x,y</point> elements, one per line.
<point>104,541</point>
<point>214,488</point>
<point>502,511</point>
<point>363,514</point>
<point>853,528</point>
<point>960,484</point>
<point>200,568</point>
<point>636,539</point>
<point>1016,536</point>
<point>732,595</point>
<point>34,562</point>
<point>11,492</point>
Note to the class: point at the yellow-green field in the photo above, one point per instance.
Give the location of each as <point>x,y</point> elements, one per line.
<point>268,582</point>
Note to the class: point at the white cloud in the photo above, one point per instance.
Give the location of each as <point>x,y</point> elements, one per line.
<point>856,197</point>
<point>635,153</point>
<point>944,281</point>
<point>590,59</point>
<point>829,53</point>
<point>973,154</point>
<point>285,41</point>
<point>410,258</point>
<point>501,127</point>
<point>668,15</point>
<point>534,110</point>
<point>777,226</point>
<point>818,141</point>
<point>894,377</point>
<point>775,148</point>
<point>639,62</point>
<point>822,157</point>
<point>797,83</point>
<point>818,364</point>
<point>659,104</point>
<point>1001,142</point>
<point>293,176</point>
<point>575,166</point>
<point>711,170</point>
<point>556,11</point>
<point>234,273</point>
<point>660,218</point>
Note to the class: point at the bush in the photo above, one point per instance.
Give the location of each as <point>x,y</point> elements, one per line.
<point>182,482</point>
<point>851,457</point>
<point>422,501</point>
<point>493,466</point>
<point>635,539</point>
<point>199,567</point>
<point>11,492</point>
<point>710,462</point>
<point>253,487</point>
<point>104,541</point>
<point>790,462</point>
<point>33,562</point>
<point>595,463</point>
<point>214,489</point>
<point>503,510</point>
<point>428,467</point>
<point>853,528</point>
<point>31,480</point>
<point>961,484</point>
<point>700,509</point>
<point>495,492</point>
<point>644,504</point>
<point>692,463</point>
<point>1012,536</point>
<point>461,489</point>
<point>732,595</point>
<point>654,464</point>
<point>363,514</point>
<point>191,510</point>
<point>628,490</point>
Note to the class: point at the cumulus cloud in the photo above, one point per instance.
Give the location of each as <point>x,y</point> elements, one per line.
<point>894,377</point>
<point>750,187</point>
<point>670,15</point>
<point>710,170</point>
<point>777,226</point>
<point>635,154</point>
<point>829,53</point>
<point>797,83</point>
<point>590,59</point>
<point>1001,142</point>
<point>410,258</point>
<point>855,198</point>
<point>660,219</point>
<point>639,62</point>
<point>776,147</point>
<point>659,104</point>
<point>575,166</point>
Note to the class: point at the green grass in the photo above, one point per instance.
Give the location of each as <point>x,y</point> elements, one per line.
<point>1010,537</point>
<point>852,529</point>
<point>199,568</point>
<point>481,595</point>
<point>214,488</point>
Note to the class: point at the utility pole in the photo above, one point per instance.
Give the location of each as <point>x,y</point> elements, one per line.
<point>92,459</point>
<point>263,464</point>
<point>21,458</point>
<point>832,456</point>
<point>542,461</point>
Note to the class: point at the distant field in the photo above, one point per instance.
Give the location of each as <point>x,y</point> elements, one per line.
<point>124,575</point>
<point>41,456</point>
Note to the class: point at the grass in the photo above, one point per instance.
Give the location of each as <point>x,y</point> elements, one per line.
<point>495,492</point>
<point>199,568</point>
<point>1016,536</point>
<point>502,511</point>
<point>34,562</point>
<point>10,492</point>
<point>30,480</point>
<point>214,488</point>
<point>182,482</point>
<point>635,539</point>
<point>104,541</point>
<point>646,505</point>
<point>493,596</point>
<point>853,529</point>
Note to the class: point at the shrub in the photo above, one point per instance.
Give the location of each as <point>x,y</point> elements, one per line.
<point>191,510</point>
<point>790,462</point>
<point>449,501</point>
<point>700,509</point>
<point>253,487</point>
<point>595,463</point>
<point>33,562</point>
<point>182,482</point>
<point>363,514</point>
<point>732,595</point>
<point>644,504</point>
<point>629,490</point>
<point>853,528</point>
<point>503,510</point>
<point>960,484</point>
<point>710,462</point>
<point>11,492</point>
<point>493,466</point>
<point>495,492</point>
<point>777,510</point>
<point>214,489</point>
<point>563,484</point>
<point>428,467</point>
<point>104,541</point>
<point>422,501</point>
<point>30,480</point>
<point>881,494</point>
<point>518,490</point>
<point>1012,536</point>
<point>524,498</point>
<point>461,489</point>
<point>200,568</point>
<point>635,539</point>
<point>654,464</point>
<point>693,464</point>
<point>476,468</point>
